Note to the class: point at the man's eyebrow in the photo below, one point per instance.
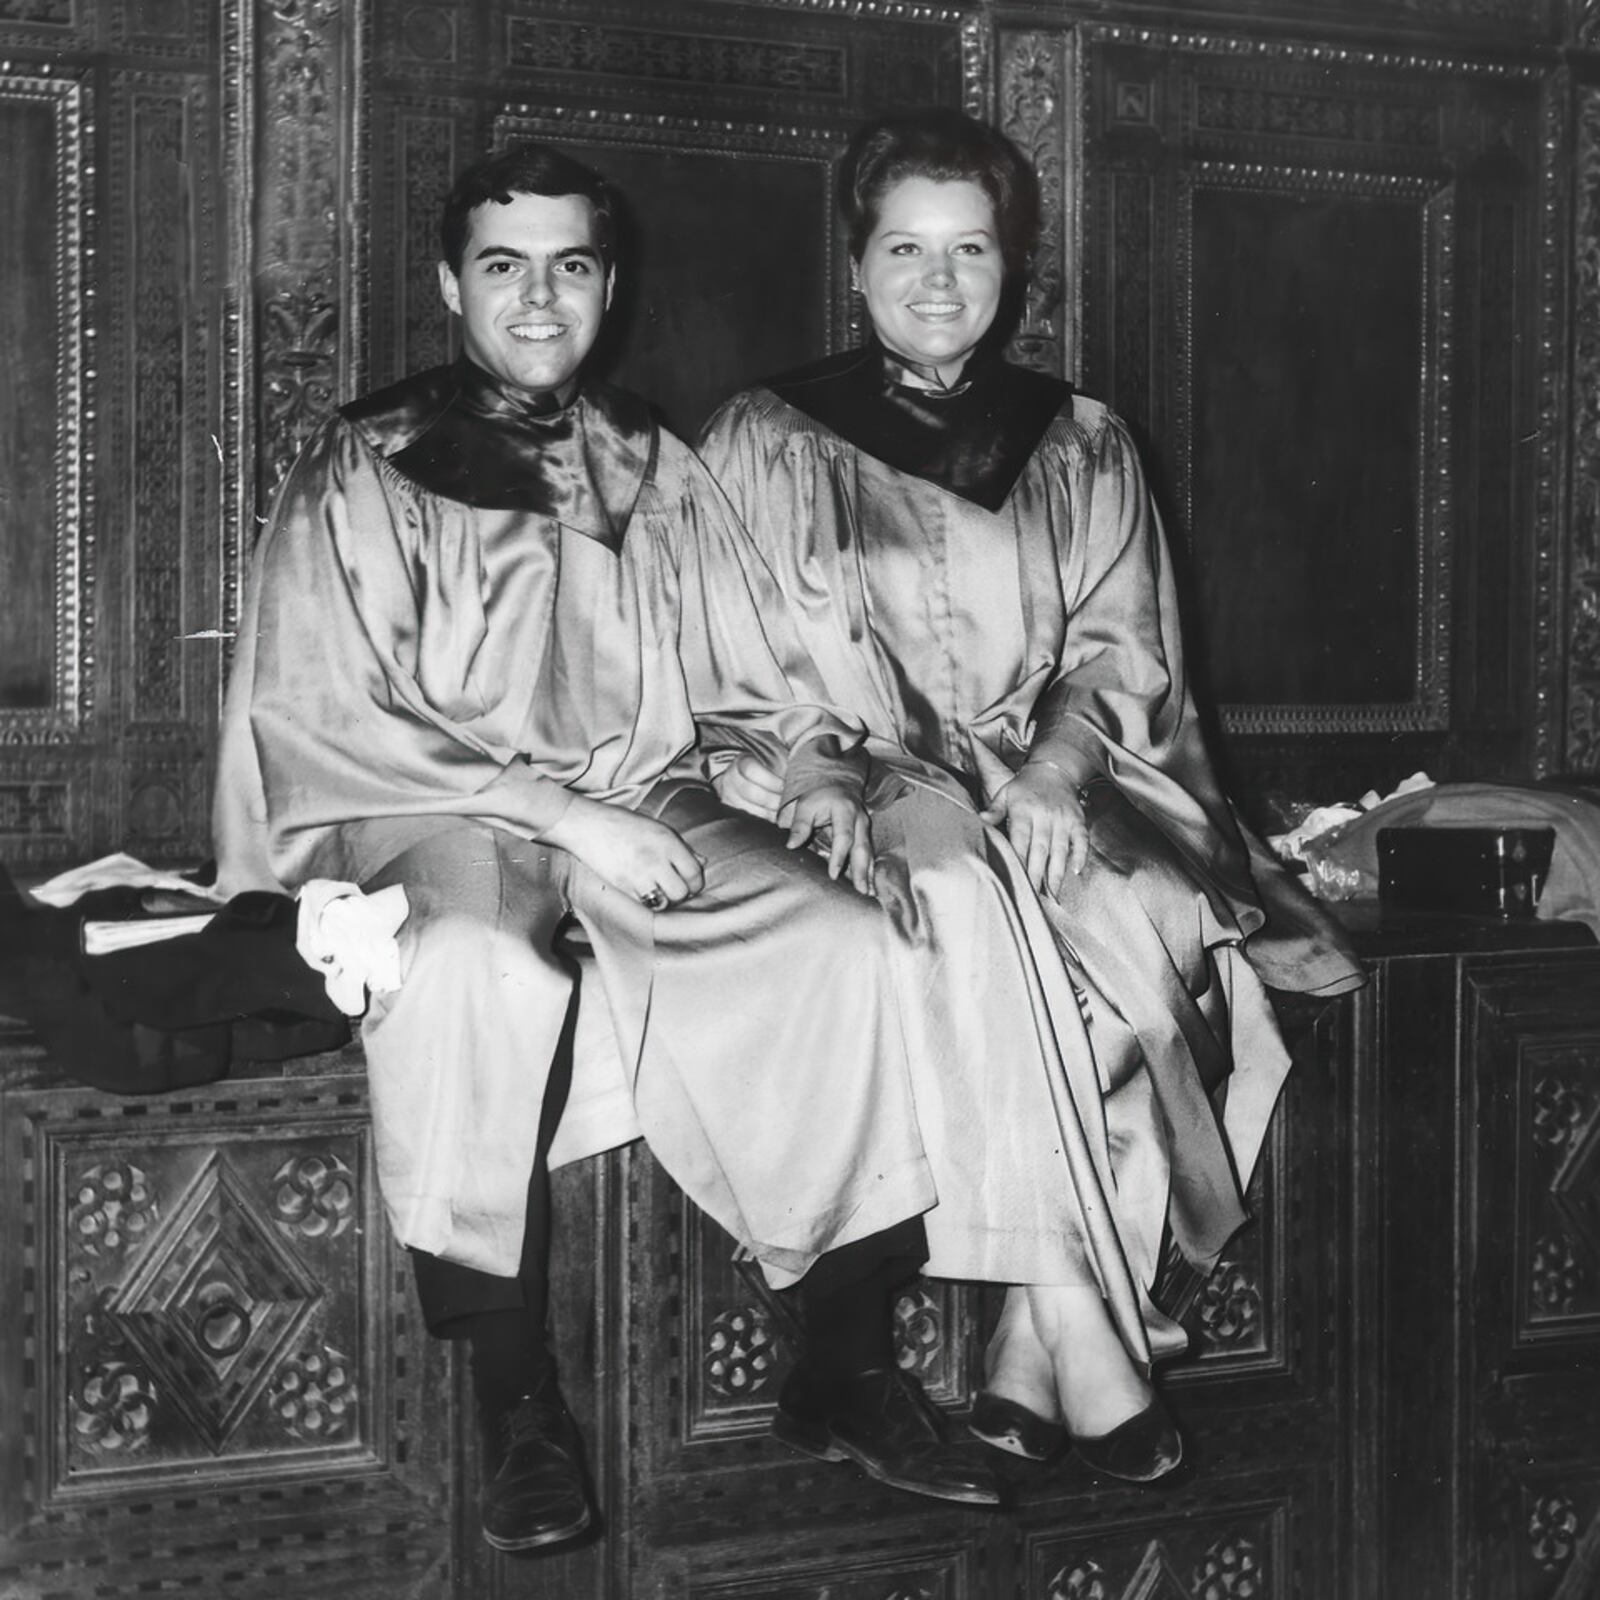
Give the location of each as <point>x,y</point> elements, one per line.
<point>586,251</point>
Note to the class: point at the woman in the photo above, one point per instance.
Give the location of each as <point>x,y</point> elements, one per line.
<point>972,555</point>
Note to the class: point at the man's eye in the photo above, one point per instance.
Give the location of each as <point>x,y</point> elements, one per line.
<point>498,269</point>
<point>575,269</point>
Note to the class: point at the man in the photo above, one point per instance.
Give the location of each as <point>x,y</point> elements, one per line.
<point>491,635</point>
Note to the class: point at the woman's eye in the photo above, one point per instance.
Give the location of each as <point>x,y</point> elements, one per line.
<point>904,248</point>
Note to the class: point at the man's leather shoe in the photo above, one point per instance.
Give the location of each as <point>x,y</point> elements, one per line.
<point>1145,1447</point>
<point>883,1422</point>
<point>1011,1426</point>
<point>535,1493</point>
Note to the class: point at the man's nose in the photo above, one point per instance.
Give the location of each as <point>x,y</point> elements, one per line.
<point>537,288</point>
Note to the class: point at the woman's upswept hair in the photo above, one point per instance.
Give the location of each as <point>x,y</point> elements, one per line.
<point>525,168</point>
<point>946,146</point>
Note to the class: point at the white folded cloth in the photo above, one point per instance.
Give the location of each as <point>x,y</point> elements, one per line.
<point>114,872</point>
<point>350,938</point>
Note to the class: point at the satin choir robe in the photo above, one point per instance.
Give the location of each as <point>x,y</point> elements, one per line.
<point>971,639</point>
<point>420,685</point>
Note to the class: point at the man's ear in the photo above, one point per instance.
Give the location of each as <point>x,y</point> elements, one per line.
<point>449,287</point>
<point>611,284</point>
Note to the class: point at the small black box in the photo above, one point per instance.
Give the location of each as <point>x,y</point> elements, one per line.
<point>1483,872</point>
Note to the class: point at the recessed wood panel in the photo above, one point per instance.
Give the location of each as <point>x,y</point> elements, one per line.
<point>31,424</point>
<point>1306,361</point>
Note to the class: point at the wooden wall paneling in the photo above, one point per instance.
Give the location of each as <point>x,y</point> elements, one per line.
<point>214,1376</point>
<point>308,78</point>
<point>111,673</point>
<point>1581,741</point>
<point>1037,107</point>
<point>416,154</point>
<point>46,540</point>
<point>159,656</point>
<point>1414,1363</point>
<point>1531,1232</point>
<point>1274,281</point>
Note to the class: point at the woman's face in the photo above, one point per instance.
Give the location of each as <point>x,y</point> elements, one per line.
<point>931,272</point>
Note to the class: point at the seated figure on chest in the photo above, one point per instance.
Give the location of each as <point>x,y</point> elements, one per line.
<point>497,621</point>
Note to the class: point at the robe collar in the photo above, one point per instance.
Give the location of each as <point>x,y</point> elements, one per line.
<point>461,433</point>
<point>972,438</point>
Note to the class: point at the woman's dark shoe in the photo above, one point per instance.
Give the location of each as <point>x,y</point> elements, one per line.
<point>535,1493</point>
<point>1014,1428</point>
<point>883,1422</point>
<point>1145,1447</point>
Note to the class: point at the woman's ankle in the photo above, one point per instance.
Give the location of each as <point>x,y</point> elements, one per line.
<point>1097,1385</point>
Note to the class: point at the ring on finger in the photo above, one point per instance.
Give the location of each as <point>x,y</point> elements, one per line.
<point>653,900</point>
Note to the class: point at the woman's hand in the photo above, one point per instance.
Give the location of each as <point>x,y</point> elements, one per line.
<point>837,817</point>
<point>750,785</point>
<point>1044,819</point>
<point>638,855</point>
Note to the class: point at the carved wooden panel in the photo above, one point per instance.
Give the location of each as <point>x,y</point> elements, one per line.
<point>1534,1249</point>
<point>213,1356</point>
<point>1216,1555</point>
<point>115,528</point>
<point>1308,282</point>
<point>1582,723</point>
<point>1484,1454</point>
<point>45,194</point>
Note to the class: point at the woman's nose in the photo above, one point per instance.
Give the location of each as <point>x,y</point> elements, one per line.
<point>939,270</point>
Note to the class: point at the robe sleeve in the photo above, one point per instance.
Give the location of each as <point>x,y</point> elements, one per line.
<point>341,728</point>
<point>750,683</point>
<point>1119,685</point>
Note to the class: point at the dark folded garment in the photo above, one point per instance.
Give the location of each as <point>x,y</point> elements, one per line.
<point>168,1015</point>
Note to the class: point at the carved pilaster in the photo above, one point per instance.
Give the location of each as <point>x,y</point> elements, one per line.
<point>1038,111</point>
<point>1583,673</point>
<point>298,243</point>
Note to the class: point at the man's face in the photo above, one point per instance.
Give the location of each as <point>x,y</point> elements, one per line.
<point>532,291</point>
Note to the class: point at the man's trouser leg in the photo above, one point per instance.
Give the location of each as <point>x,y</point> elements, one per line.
<point>469,1064</point>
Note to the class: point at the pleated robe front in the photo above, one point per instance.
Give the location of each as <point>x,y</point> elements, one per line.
<point>971,641</point>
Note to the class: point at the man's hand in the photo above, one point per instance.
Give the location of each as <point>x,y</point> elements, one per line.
<point>836,817</point>
<point>638,855</point>
<point>1043,817</point>
<point>750,785</point>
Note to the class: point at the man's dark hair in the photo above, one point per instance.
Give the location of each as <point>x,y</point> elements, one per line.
<point>946,146</point>
<point>525,168</point>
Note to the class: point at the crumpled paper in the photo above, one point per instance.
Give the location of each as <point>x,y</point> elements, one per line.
<point>1328,880</point>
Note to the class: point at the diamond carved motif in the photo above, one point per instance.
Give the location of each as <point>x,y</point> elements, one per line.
<point>215,1301</point>
<point>1156,1579</point>
<point>1576,1189</point>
